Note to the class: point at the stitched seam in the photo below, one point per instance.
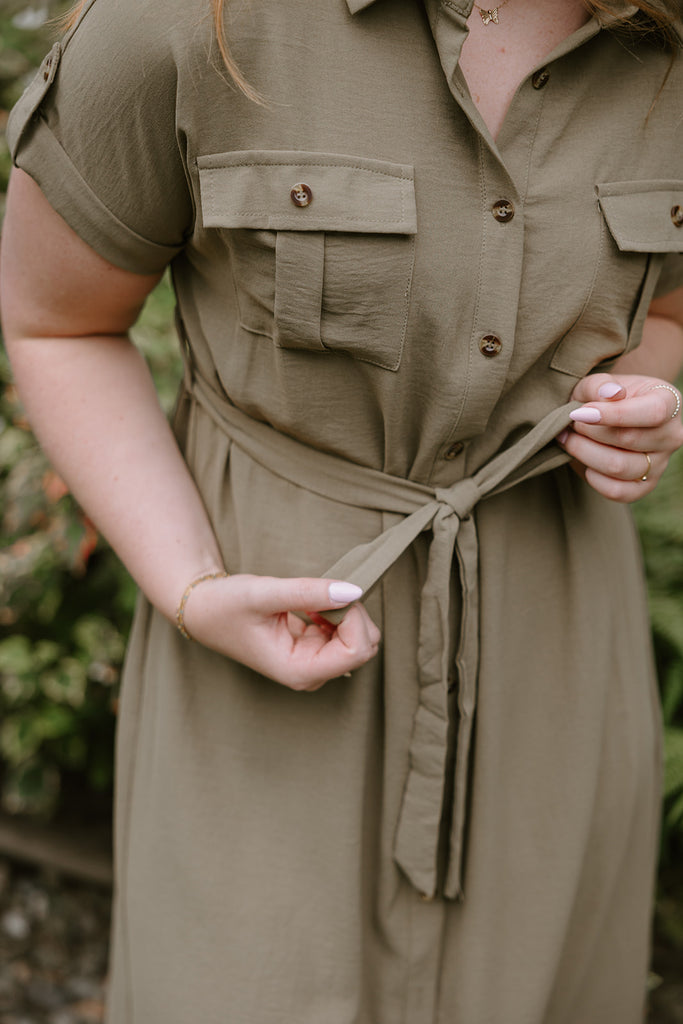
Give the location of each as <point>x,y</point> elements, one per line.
<point>480,274</point>
<point>345,219</point>
<point>648,242</point>
<point>531,148</point>
<point>454,7</point>
<point>348,167</point>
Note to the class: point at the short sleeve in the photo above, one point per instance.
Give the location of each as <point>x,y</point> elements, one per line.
<point>671,276</point>
<point>96,130</point>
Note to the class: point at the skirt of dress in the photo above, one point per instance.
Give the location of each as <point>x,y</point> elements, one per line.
<point>256,826</point>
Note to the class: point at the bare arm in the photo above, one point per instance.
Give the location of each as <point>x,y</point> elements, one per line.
<point>660,353</point>
<point>90,399</point>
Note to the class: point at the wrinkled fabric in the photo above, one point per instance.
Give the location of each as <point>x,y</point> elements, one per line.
<point>447,513</point>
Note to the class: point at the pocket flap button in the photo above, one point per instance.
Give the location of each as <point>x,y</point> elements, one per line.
<point>301,194</point>
<point>677,215</point>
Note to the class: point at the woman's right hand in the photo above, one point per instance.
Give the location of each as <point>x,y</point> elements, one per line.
<point>252,619</point>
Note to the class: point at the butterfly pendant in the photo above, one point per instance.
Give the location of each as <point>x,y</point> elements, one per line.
<point>489,16</point>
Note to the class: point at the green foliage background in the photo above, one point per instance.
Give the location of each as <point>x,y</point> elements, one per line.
<point>66,602</point>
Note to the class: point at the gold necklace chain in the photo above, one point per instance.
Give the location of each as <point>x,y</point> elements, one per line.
<point>490,17</point>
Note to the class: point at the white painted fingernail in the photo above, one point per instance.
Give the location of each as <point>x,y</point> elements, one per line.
<point>609,390</point>
<point>344,593</point>
<point>585,415</point>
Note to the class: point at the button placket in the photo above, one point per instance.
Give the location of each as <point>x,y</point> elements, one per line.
<point>493,326</point>
<point>454,450</point>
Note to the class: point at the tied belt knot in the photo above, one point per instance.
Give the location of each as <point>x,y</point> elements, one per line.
<point>459,499</point>
<point>446,512</point>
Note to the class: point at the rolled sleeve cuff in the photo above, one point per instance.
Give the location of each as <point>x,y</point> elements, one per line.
<point>41,156</point>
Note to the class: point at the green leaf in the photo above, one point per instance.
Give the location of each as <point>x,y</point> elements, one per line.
<point>16,656</point>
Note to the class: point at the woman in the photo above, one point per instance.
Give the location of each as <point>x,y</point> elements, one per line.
<point>432,248</point>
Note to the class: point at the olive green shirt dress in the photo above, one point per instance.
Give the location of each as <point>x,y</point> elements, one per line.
<point>384,313</point>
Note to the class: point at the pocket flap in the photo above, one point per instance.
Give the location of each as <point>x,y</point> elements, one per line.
<point>644,216</point>
<point>257,189</point>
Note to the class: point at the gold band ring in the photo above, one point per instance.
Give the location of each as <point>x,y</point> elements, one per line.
<point>674,392</point>
<point>649,467</point>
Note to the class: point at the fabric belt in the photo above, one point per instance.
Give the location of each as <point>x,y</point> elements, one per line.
<point>447,513</point>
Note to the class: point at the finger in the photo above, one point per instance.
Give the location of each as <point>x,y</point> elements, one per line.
<point>616,463</point>
<point>271,595</point>
<point>624,491</point>
<point>599,387</point>
<point>358,615</point>
<point>632,439</point>
<point>324,625</point>
<point>649,409</point>
<point>314,660</point>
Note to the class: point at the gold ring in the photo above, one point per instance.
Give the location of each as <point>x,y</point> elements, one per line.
<point>649,467</point>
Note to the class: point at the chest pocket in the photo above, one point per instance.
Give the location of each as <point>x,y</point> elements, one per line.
<point>642,221</point>
<point>321,247</point>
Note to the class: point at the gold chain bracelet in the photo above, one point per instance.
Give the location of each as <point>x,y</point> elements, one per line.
<point>180,613</point>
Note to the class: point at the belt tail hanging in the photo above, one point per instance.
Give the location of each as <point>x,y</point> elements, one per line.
<point>417,837</point>
<point>467,665</point>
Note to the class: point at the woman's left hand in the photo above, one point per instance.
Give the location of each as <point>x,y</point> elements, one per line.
<point>623,436</point>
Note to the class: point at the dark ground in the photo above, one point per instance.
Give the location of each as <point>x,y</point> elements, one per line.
<point>54,934</point>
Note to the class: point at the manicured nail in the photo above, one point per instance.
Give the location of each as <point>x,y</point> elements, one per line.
<point>609,390</point>
<point>585,415</point>
<point>563,436</point>
<point>344,593</point>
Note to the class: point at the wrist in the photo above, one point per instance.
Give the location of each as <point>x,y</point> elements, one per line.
<point>205,577</point>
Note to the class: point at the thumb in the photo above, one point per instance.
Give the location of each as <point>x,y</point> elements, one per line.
<point>304,595</point>
<point>598,387</point>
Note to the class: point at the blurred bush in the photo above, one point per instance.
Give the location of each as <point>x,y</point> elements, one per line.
<point>65,606</point>
<point>660,520</point>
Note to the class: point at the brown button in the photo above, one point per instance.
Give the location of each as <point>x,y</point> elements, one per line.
<point>301,194</point>
<point>490,345</point>
<point>503,210</point>
<point>677,215</point>
<point>454,450</point>
<point>540,78</point>
<point>46,69</point>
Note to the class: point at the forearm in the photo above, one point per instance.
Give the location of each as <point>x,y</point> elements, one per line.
<point>660,353</point>
<point>92,405</point>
